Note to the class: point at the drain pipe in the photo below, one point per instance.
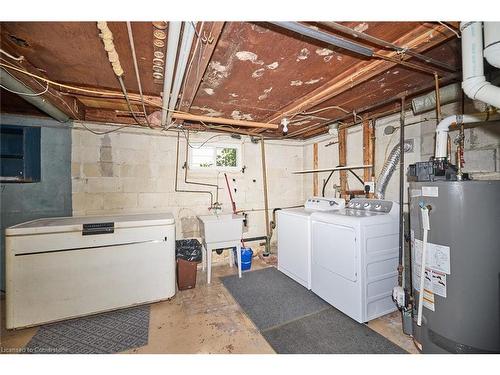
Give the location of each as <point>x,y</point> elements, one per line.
<point>266,201</point>
<point>492,43</point>
<point>187,40</point>
<point>174,32</point>
<point>441,150</point>
<point>474,82</point>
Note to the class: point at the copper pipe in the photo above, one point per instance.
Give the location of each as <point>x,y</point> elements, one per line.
<point>224,121</point>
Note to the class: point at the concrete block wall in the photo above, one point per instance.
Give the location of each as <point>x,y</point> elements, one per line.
<point>134,171</point>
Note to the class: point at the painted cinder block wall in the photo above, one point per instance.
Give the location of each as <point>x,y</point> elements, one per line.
<point>134,171</point>
<point>51,197</point>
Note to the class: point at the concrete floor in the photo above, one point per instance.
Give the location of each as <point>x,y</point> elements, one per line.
<point>206,320</point>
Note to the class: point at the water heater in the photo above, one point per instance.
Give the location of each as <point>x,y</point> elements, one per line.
<point>461,298</point>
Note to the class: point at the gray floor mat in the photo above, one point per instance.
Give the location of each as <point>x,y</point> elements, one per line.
<point>328,331</point>
<point>109,332</point>
<point>295,320</point>
<point>271,298</point>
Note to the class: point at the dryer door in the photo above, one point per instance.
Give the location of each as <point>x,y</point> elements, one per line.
<point>334,249</point>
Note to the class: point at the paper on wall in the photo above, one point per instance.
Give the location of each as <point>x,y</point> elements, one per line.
<point>437,257</point>
<point>430,191</point>
<point>435,282</point>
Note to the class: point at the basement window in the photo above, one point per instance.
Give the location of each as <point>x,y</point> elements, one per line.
<point>215,157</point>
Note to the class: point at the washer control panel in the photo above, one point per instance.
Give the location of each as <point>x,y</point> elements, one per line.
<point>324,204</point>
<point>370,205</point>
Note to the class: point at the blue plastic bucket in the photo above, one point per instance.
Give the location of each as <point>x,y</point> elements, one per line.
<point>246,258</point>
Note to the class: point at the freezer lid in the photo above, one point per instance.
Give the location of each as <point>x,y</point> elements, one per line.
<point>76,223</point>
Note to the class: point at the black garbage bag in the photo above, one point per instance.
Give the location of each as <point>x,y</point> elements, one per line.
<point>189,249</point>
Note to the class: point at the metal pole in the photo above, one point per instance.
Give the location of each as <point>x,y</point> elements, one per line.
<point>401,189</point>
<point>266,203</point>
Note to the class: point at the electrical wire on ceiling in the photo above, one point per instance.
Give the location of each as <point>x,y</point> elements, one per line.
<point>20,58</point>
<point>136,68</point>
<point>203,143</point>
<point>80,89</point>
<point>26,93</point>
<point>450,28</point>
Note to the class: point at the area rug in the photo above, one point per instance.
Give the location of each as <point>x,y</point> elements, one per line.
<point>271,298</point>
<point>110,332</point>
<point>294,320</point>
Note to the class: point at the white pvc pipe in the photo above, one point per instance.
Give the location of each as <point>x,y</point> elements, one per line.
<point>422,279</point>
<point>426,226</point>
<point>174,32</point>
<point>444,127</point>
<point>187,41</point>
<point>492,43</point>
<point>474,82</point>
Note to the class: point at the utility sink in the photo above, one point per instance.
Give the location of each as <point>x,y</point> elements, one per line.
<point>221,228</point>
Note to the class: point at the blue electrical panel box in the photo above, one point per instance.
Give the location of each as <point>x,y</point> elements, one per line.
<point>19,154</point>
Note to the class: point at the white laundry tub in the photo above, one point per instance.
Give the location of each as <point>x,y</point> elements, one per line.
<point>221,228</point>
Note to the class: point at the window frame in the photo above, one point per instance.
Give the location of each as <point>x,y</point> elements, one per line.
<point>214,167</point>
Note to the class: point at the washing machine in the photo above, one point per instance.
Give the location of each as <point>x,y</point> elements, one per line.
<point>355,257</point>
<point>294,237</point>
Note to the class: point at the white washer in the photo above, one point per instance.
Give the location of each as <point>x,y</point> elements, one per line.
<point>294,237</point>
<point>355,257</point>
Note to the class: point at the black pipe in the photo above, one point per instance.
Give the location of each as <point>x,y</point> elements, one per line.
<point>330,175</point>
<point>401,189</point>
<point>252,239</point>
<point>176,177</point>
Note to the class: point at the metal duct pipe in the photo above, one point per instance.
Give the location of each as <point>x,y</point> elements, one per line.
<point>388,169</point>
<point>13,84</point>
<point>187,41</point>
<point>474,82</point>
<point>325,37</point>
<point>174,32</point>
<point>427,102</point>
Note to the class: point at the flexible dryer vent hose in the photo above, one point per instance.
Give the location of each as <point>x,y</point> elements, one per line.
<point>388,169</point>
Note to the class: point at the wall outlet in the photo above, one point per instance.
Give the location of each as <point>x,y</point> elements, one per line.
<point>371,184</point>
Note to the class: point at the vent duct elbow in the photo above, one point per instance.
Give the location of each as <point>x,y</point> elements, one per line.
<point>388,169</point>
<point>474,82</point>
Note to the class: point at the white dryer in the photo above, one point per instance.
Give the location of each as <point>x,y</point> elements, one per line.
<point>294,237</point>
<point>355,257</point>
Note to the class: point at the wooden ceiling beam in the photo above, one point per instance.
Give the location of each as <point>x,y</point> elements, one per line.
<point>70,106</point>
<point>421,39</point>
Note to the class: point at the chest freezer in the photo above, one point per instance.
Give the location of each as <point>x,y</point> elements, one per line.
<point>62,268</point>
